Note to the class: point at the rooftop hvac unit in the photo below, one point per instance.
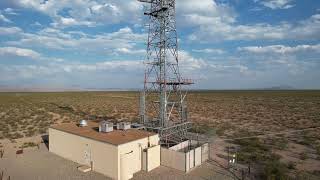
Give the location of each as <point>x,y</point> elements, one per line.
<point>124,125</point>
<point>83,123</point>
<point>105,126</point>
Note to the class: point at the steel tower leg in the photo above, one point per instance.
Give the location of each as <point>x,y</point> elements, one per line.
<point>164,97</point>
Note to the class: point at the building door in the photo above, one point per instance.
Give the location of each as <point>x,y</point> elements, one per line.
<point>127,165</point>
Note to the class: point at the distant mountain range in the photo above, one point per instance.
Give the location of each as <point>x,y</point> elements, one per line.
<point>4,88</point>
<point>280,88</point>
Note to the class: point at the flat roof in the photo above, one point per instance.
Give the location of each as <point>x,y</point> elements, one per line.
<point>116,137</point>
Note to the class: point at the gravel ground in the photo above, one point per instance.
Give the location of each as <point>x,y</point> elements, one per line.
<point>39,164</point>
<point>204,172</point>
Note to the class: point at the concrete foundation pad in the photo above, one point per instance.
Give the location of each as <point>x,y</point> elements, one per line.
<point>84,169</point>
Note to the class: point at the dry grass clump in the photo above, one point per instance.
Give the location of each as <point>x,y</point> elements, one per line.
<point>29,114</point>
<point>28,144</point>
<point>224,111</point>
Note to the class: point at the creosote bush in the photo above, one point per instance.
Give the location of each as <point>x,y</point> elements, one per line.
<point>253,150</point>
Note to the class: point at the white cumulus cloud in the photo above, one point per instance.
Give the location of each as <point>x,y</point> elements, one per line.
<point>86,12</point>
<point>209,51</point>
<point>9,30</point>
<point>276,4</point>
<point>281,49</point>
<point>4,19</point>
<point>19,52</point>
<point>212,29</point>
<point>122,41</point>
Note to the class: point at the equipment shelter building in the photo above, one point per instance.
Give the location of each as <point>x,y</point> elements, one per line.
<point>117,154</point>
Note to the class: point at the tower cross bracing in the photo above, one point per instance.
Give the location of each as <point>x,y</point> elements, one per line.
<point>162,107</point>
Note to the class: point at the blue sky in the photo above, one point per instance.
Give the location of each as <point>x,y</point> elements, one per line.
<point>224,44</point>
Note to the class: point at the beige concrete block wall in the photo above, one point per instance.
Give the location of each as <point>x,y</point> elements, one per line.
<point>73,147</point>
<point>180,146</point>
<point>190,155</point>
<point>205,152</point>
<point>153,158</point>
<point>184,161</point>
<point>184,145</point>
<point>132,153</point>
<point>173,159</point>
<point>197,156</point>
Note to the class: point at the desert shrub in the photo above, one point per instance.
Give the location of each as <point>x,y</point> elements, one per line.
<point>291,165</point>
<point>16,135</point>
<point>220,129</point>
<point>254,150</point>
<point>274,169</point>
<point>316,173</point>
<point>135,120</point>
<point>303,156</point>
<point>30,133</point>
<point>202,129</point>
<point>280,143</point>
<point>318,149</point>
<point>28,144</point>
<point>42,131</point>
<point>44,124</point>
<point>5,134</point>
<point>302,175</point>
<point>307,140</point>
<point>24,127</point>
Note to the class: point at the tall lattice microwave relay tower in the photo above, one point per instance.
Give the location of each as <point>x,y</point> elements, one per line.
<point>162,107</point>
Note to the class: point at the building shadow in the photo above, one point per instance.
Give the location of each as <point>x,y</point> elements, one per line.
<point>45,139</point>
